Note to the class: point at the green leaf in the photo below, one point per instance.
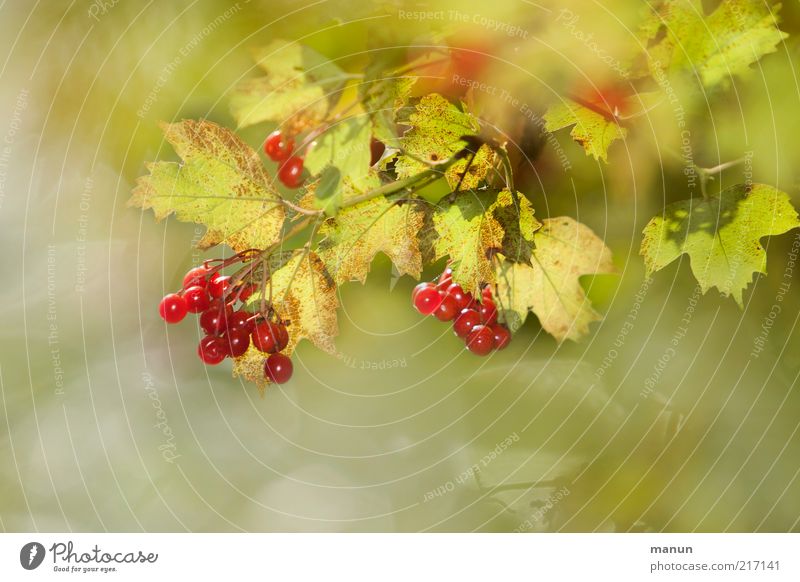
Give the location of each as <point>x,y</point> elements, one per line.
<point>721,235</point>
<point>328,190</point>
<point>221,184</point>
<point>437,127</point>
<point>358,233</point>
<point>296,92</point>
<point>344,147</point>
<point>591,130</point>
<point>475,226</point>
<point>304,296</point>
<point>550,286</point>
<point>725,43</point>
<point>383,98</point>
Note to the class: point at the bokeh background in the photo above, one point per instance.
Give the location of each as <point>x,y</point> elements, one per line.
<point>110,422</point>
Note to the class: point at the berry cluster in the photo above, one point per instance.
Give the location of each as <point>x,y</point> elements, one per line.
<point>279,148</point>
<point>229,331</point>
<point>473,321</point>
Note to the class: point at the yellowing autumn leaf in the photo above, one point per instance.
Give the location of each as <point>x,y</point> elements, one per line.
<point>593,131</point>
<point>721,235</point>
<point>296,92</point>
<point>358,233</point>
<point>550,286</point>
<point>724,43</point>
<point>437,127</point>
<point>221,183</point>
<point>477,225</point>
<point>304,295</point>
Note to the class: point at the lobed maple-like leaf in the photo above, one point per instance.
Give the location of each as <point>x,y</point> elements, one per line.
<point>723,44</point>
<point>297,91</point>
<point>360,232</point>
<point>550,285</point>
<point>437,127</point>
<point>221,183</point>
<point>721,235</point>
<point>304,296</point>
<point>592,130</point>
<point>475,226</point>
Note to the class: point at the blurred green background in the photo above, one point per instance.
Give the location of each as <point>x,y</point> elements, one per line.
<point>110,422</point>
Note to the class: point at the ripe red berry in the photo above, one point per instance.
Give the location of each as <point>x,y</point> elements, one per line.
<point>456,292</point>
<point>267,337</point>
<point>240,319</point>
<point>291,172</point>
<point>486,293</point>
<point>196,277</point>
<point>466,320</point>
<point>447,309</point>
<point>172,308</point>
<point>236,341</point>
<point>283,336</point>
<point>214,320</point>
<point>445,279</point>
<point>278,368</point>
<point>246,292</point>
<point>218,285</point>
<point>488,312</point>
<point>211,350</point>
<point>278,147</point>
<point>470,302</point>
<point>419,288</point>
<point>502,337</point>
<point>480,340</point>
<point>196,299</point>
<point>428,300</point>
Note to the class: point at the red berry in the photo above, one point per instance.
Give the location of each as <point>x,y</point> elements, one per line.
<point>466,320</point>
<point>220,305</point>
<point>246,292</point>
<point>196,299</point>
<point>502,337</point>
<point>445,279</point>
<point>283,336</point>
<point>471,303</point>
<point>172,308</point>
<point>211,350</point>
<point>214,320</point>
<point>428,300</point>
<point>419,288</point>
<point>291,172</point>
<point>267,337</point>
<point>488,312</point>
<point>447,310</point>
<point>236,341</point>
<point>277,147</point>
<point>456,292</point>
<point>480,340</point>
<point>240,320</point>
<point>486,293</point>
<point>218,285</point>
<point>195,277</point>
<point>278,368</point>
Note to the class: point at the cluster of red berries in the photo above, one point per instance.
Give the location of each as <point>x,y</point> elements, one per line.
<point>229,331</point>
<point>473,321</point>
<point>279,148</point>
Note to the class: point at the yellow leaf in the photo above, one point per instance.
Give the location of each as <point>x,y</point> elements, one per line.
<point>221,184</point>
